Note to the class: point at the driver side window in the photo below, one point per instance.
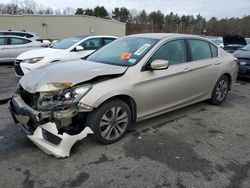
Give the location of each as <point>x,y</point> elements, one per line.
<point>173,51</point>
<point>91,44</point>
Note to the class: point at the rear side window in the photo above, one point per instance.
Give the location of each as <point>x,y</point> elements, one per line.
<point>2,41</point>
<point>173,51</point>
<point>199,49</point>
<point>91,44</point>
<point>214,50</point>
<point>17,41</point>
<point>107,41</point>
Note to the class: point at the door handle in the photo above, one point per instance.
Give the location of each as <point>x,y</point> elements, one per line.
<point>217,62</point>
<point>186,70</point>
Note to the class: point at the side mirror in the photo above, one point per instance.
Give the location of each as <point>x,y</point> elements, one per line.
<point>159,64</point>
<point>79,48</point>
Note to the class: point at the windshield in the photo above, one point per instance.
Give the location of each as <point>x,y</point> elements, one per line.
<point>217,41</point>
<point>66,43</point>
<point>246,48</point>
<point>125,51</point>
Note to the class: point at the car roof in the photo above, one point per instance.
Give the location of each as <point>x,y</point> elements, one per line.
<point>17,31</point>
<point>14,36</point>
<point>163,35</point>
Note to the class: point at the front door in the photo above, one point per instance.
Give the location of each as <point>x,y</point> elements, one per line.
<point>162,90</point>
<point>89,46</point>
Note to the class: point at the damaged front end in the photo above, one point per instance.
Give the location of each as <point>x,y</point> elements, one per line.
<point>54,120</point>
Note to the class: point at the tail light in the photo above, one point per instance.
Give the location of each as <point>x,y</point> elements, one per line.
<point>237,61</point>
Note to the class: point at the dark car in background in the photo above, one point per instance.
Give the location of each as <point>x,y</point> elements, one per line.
<point>233,43</point>
<point>243,55</point>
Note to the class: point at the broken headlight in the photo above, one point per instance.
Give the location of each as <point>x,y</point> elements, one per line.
<point>64,98</point>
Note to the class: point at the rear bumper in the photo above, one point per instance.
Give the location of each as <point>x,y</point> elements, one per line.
<point>41,131</point>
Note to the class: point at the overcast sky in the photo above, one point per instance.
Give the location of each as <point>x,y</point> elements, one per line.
<point>207,8</point>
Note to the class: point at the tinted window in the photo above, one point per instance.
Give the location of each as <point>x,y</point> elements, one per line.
<point>2,41</point>
<point>214,50</point>
<point>107,41</point>
<point>91,44</point>
<point>200,49</point>
<point>66,43</point>
<point>173,51</point>
<point>126,51</point>
<point>16,41</point>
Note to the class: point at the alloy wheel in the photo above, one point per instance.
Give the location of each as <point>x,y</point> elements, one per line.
<point>113,123</point>
<point>221,90</point>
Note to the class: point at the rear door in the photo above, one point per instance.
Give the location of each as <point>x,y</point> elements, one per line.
<point>204,67</point>
<point>4,49</point>
<point>18,46</point>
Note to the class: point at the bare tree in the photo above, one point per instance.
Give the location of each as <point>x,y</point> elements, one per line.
<point>29,6</point>
<point>11,9</point>
<point>68,11</point>
<point>58,12</point>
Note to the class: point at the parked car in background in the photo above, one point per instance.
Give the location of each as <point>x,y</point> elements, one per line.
<point>69,48</point>
<point>248,40</point>
<point>12,46</point>
<point>218,41</point>
<point>131,79</point>
<point>233,43</point>
<point>23,33</point>
<point>243,55</point>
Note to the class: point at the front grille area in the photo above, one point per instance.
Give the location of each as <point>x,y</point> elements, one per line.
<point>51,137</point>
<point>18,69</point>
<point>247,61</point>
<point>31,99</point>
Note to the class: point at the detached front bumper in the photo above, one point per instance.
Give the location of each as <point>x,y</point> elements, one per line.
<point>41,131</point>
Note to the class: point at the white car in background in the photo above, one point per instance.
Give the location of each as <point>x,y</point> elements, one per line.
<point>67,49</point>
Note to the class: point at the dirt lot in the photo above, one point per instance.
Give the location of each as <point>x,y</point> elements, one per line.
<point>198,146</point>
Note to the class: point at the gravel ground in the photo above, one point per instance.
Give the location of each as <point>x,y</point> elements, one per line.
<point>197,146</point>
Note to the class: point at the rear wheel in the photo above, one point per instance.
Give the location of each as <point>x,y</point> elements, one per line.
<point>110,121</point>
<point>220,90</point>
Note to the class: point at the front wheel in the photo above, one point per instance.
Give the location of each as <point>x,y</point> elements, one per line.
<point>220,90</point>
<point>110,121</point>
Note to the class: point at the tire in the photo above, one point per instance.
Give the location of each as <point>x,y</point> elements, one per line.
<point>220,91</point>
<point>104,121</point>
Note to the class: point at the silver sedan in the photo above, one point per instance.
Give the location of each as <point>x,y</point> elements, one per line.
<point>12,46</point>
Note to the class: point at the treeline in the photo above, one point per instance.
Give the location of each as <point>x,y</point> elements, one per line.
<point>17,7</point>
<point>139,22</point>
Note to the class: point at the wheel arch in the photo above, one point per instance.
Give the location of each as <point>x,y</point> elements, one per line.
<point>229,79</point>
<point>128,100</point>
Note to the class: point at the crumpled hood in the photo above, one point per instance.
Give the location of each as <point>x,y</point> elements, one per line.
<point>38,53</point>
<point>69,71</point>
